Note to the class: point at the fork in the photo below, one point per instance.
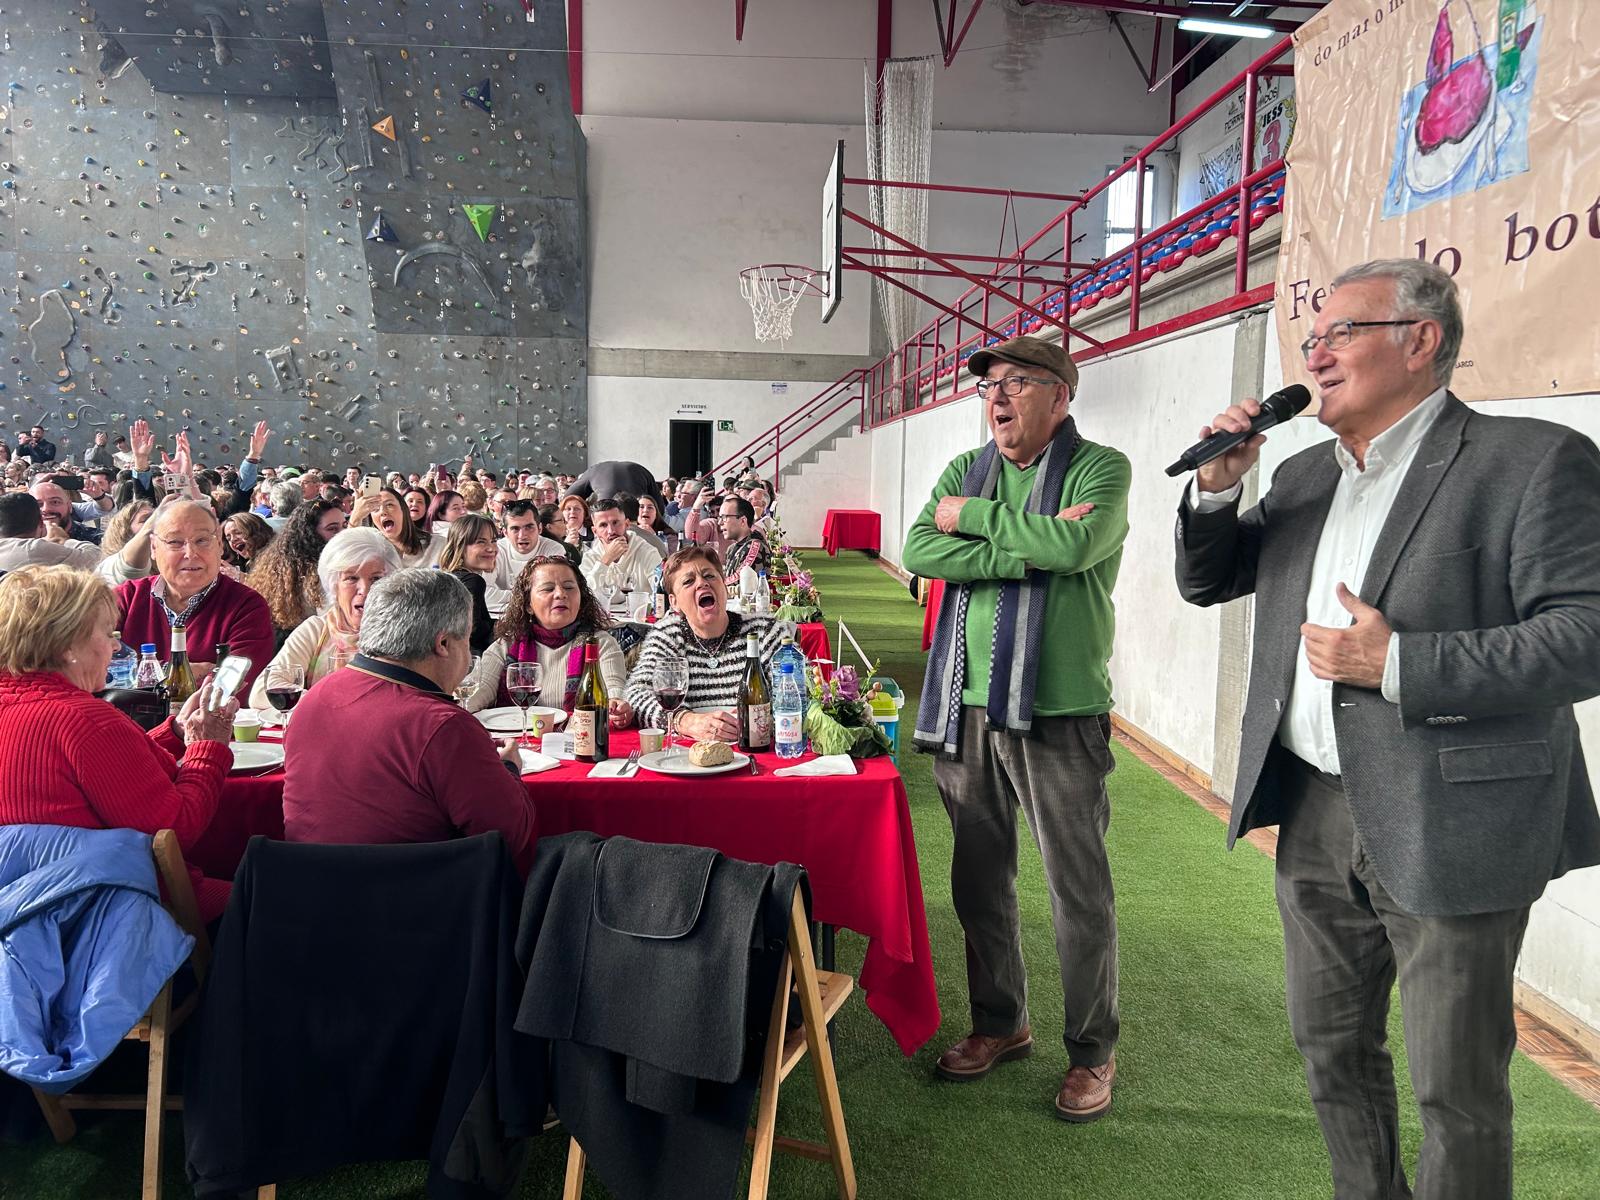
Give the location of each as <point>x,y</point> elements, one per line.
<point>755,767</point>
<point>631,767</point>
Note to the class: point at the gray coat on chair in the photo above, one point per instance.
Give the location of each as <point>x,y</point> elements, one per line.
<point>1472,794</point>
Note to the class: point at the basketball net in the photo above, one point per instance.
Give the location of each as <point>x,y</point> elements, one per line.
<point>773,291</point>
<point>900,148</point>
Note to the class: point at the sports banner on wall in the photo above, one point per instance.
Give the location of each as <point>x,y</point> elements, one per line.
<point>1465,132</point>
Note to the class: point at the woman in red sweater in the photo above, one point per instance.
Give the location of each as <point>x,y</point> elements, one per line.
<point>69,758</point>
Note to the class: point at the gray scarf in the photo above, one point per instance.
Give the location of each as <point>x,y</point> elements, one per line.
<point>1013,660</point>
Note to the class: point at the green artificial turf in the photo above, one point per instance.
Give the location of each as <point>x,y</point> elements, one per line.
<point>1210,1098</point>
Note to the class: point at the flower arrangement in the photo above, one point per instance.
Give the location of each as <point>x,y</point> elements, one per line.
<point>797,599</point>
<point>839,719</point>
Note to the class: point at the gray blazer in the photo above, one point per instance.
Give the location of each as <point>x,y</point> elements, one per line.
<point>1473,794</point>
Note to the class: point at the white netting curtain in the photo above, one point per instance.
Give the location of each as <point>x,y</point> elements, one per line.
<point>900,147</point>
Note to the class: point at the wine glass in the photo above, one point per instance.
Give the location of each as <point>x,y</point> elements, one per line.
<point>337,659</point>
<point>522,681</point>
<point>285,687</point>
<point>671,683</point>
<point>468,687</point>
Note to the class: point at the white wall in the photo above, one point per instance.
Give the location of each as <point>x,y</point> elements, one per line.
<point>1148,405</point>
<point>909,455</point>
<point>840,478</point>
<point>630,417</point>
<point>1040,69</point>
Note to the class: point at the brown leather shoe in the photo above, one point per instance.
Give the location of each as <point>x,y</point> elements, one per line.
<point>1085,1094</point>
<point>975,1055</point>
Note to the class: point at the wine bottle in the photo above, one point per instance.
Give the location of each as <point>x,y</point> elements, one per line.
<point>180,676</point>
<point>590,727</point>
<point>755,702</point>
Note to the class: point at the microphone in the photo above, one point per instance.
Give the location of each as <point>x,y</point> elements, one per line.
<point>1275,409</point>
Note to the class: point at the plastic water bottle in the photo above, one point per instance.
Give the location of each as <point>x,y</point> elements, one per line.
<point>789,652</point>
<point>149,674</point>
<point>788,713</point>
<point>119,674</point>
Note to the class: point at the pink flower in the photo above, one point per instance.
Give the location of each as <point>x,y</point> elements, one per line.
<point>848,685</point>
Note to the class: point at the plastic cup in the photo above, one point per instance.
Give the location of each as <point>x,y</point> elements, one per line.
<point>246,727</point>
<point>651,740</point>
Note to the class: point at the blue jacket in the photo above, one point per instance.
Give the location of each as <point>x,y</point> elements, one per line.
<point>85,947</point>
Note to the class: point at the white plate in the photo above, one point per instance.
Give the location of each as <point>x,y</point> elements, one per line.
<point>509,720</point>
<point>256,756</point>
<point>679,764</point>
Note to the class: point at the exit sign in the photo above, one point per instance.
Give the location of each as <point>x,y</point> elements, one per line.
<point>724,426</point>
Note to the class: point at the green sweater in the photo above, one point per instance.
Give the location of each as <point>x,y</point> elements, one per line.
<point>1000,540</point>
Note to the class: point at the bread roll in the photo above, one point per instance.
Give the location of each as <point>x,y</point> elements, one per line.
<point>710,754</point>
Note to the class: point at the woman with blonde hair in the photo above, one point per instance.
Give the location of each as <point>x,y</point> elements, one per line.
<point>69,758</point>
<point>125,524</point>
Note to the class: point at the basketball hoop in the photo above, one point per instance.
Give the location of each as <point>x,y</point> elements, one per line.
<point>774,291</point>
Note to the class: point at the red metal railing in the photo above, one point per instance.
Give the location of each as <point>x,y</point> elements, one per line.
<point>792,432</point>
<point>908,379</point>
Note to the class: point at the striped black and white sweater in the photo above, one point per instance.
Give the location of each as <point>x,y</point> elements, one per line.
<point>714,675</point>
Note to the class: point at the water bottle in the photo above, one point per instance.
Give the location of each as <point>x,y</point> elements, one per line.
<point>763,596</point>
<point>789,652</point>
<point>788,713</point>
<point>149,674</point>
<point>119,674</point>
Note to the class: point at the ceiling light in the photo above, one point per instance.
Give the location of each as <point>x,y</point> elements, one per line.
<point>1223,27</point>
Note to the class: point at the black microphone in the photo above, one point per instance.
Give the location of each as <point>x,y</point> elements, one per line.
<point>1275,409</point>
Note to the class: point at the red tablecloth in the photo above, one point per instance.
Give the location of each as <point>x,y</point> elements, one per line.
<point>930,615</point>
<point>851,833</point>
<point>813,638</point>
<point>851,529</point>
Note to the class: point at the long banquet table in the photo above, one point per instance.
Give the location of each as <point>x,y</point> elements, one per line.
<point>852,834</point>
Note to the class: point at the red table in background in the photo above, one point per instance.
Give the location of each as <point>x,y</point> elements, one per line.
<point>851,833</point>
<point>851,529</point>
<point>930,615</point>
<point>813,639</point>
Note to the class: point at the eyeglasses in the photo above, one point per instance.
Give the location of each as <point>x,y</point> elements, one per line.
<point>200,545</point>
<point>1011,385</point>
<point>1340,333</point>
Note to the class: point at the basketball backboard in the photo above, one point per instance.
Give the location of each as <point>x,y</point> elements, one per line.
<point>832,227</point>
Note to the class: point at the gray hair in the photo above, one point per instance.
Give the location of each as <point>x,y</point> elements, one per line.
<point>1422,291</point>
<point>408,610</point>
<point>286,497</point>
<point>350,548</point>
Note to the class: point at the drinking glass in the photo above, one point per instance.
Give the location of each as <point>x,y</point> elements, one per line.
<point>468,687</point>
<point>285,686</point>
<point>522,681</point>
<point>671,684</point>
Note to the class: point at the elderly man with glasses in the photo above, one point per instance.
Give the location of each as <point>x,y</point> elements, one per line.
<point>1427,613</point>
<point>1017,702</point>
<point>188,589</point>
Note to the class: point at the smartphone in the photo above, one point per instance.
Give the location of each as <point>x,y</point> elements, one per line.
<point>371,485</point>
<point>228,678</point>
<point>70,483</point>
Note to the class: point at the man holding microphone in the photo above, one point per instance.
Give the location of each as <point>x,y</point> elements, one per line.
<point>1427,613</point>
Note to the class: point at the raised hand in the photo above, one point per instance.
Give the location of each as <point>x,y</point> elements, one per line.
<point>258,440</point>
<point>141,442</point>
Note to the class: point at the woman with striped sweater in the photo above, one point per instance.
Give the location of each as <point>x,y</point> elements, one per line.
<point>701,631</point>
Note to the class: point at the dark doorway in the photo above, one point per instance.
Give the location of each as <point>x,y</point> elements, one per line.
<point>690,448</point>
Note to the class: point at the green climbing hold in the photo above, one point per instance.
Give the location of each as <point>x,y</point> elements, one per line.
<point>481,216</point>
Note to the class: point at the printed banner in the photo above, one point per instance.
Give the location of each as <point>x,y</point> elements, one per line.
<point>1275,115</point>
<point>1465,132</point>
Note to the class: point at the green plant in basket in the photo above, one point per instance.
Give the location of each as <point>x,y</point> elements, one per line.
<point>839,719</point>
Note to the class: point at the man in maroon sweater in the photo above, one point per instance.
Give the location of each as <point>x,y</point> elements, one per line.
<point>189,589</point>
<point>379,752</point>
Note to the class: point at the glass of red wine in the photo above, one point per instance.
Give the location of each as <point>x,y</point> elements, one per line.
<point>522,682</point>
<point>285,685</point>
<point>671,683</point>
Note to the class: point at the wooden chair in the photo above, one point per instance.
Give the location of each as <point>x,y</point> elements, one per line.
<point>155,1028</point>
<point>822,994</point>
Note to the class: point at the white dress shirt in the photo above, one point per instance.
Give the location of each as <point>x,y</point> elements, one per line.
<point>1356,517</point>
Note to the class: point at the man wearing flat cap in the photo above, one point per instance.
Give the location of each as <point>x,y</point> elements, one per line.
<point>1028,532</point>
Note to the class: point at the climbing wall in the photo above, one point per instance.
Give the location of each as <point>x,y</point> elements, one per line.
<point>361,220</point>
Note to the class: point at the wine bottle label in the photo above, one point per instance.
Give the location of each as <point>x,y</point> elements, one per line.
<point>791,728</point>
<point>581,726</point>
<point>759,719</point>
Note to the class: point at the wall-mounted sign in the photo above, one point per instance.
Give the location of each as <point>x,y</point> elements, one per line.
<point>691,410</point>
<point>724,426</point>
<point>780,389</point>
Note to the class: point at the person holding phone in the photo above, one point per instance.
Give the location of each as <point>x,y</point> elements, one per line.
<point>69,758</point>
